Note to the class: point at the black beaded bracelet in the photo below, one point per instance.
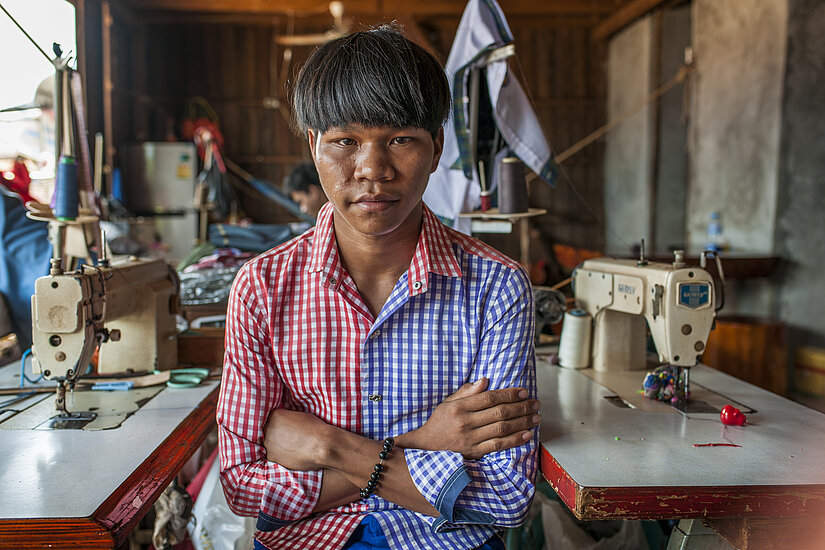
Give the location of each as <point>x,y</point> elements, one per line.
<point>379,467</point>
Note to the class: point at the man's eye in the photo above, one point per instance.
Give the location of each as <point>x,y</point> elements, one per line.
<point>401,140</point>
<point>345,141</point>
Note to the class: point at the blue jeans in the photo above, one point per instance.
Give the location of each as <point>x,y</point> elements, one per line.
<point>370,536</point>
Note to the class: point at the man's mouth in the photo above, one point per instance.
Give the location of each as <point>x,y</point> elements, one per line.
<point>374,203</point>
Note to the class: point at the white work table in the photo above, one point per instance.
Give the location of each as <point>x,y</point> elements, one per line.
<point>609,462</point>
<point>77,488</point>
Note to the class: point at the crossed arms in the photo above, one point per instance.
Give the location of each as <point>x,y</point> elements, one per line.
<point>471,461</point>
<point>472,422</point>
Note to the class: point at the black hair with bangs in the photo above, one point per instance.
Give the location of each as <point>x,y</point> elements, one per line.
<point>373,78</point>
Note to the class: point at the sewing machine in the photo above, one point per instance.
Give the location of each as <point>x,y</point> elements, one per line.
<point>610,453</point>
<point>125,310</point>
<point>620,295</point>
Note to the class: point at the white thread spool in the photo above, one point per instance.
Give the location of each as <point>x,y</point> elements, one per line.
<point>574,348</point>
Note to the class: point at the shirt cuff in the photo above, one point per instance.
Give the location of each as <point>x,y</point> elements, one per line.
<point>289,499</point>
<point>267,523</point>
<point>441,476</point>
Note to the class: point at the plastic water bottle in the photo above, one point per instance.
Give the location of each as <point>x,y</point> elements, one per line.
<point>715,240</point>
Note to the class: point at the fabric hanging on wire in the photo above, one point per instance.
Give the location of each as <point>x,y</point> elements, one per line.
<point>454,186</point>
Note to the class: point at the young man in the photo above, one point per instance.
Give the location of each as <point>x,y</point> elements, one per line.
<point>379,373</point>
<point>304,187</point>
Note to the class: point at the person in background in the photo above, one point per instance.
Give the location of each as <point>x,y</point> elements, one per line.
<point>379,378</point>
<point>304,187</point>
<point>25,251</point>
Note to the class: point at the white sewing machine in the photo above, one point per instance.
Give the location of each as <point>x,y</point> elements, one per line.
<point>620,295</point>
<point>127,309</point>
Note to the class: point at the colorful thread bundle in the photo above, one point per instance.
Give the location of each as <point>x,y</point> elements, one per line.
<point>665,384</point>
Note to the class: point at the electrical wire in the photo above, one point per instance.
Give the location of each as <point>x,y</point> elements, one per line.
<point>36,45</point>
<point>681,76</point>
<point>23,377</point>
<point>562,171</point>
<point>12,401</point>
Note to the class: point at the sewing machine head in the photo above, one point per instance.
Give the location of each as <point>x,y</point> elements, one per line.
<point>127,309</point>
<point>676,301</point>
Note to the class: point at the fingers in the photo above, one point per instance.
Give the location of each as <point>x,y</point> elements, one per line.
<point>496,405</point>
<point>493,398</point>
<point>504,435</point>
<point>516,430</point>
<point>500,444</point>
<point>500,417</point>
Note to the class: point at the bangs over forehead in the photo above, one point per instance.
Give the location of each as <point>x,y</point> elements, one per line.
<point>372,78</point>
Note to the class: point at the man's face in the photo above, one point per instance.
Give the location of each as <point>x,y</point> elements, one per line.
<point>310,201</point>
<point>375,176</point>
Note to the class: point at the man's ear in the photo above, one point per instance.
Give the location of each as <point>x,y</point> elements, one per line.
<point>438,148</point>
<point>311,139</point>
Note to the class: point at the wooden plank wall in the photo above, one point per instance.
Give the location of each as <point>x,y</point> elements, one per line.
<point>160,62</point>
<point>564,73</point>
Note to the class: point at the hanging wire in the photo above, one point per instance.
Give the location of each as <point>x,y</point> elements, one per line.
<point>562,171</point>
<point>36,45</point>
<point>680,76</point>
<point>277,79</point>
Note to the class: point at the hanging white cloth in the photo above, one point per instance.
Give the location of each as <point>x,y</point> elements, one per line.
<point>454,187</point>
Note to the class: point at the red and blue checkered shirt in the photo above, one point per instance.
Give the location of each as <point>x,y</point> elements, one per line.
<point>299,336</point>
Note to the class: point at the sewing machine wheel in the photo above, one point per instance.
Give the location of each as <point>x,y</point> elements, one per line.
<point>550,305</point>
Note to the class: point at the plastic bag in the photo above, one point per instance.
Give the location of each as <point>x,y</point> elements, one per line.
<point>562,532</point>
<point>215,527</point>
<point>209,286</point>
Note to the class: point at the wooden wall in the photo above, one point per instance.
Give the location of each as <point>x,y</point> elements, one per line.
<point>160,61</point>
<point>564,72</point>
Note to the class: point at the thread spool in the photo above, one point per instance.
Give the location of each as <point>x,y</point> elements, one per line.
<point>65,188</point>
<point>574,347</point>
<point>486,201</point>
<point>512,186</point>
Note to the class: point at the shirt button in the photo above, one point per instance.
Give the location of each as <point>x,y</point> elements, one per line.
<point>331,280</point>
<point>376,397</point>
<point>416,285</point>
<point>375,334</point>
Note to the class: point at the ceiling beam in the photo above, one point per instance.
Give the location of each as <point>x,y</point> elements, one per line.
<point>623,17</point>
<point>416,8</point>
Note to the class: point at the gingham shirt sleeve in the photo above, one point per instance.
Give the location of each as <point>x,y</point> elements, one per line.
<point>250,389</point>
<point>497,489</point>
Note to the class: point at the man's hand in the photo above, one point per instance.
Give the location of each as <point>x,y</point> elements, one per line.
<point>295,440</point>
<point>475,422</point>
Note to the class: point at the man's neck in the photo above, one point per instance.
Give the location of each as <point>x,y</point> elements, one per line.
<point>375,262</point>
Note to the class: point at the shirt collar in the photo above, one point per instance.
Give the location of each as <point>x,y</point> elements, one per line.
<point>433,253</point>
<point>324,256</point>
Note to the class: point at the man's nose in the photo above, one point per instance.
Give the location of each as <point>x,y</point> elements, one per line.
<point>373,163</point>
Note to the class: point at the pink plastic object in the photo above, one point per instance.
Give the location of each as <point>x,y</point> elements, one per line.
<point>731,416</point>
